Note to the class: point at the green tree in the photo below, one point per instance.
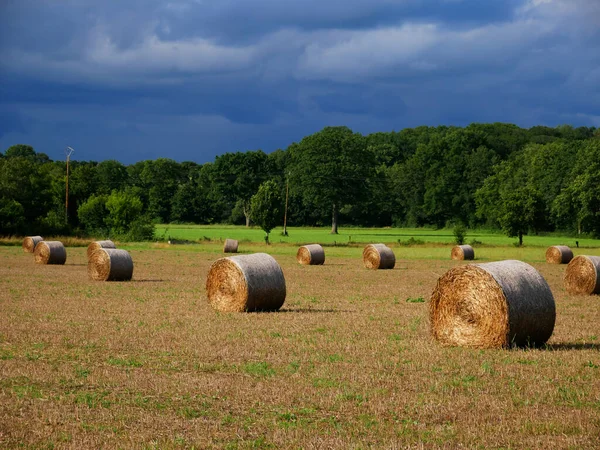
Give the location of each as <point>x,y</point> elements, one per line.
<point>329,169</point>
<point>123,209</point>
<point>266,207</point>
<point>92,214</point>
<point>521,210</point>
<point>237,177</point>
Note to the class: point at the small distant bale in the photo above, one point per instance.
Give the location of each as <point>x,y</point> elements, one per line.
<point>50,252</point>
<point>98,245</point>
<point>30,242</point>
<point>311,255</point>
<point>231,246</point>
<point>583,275</point>
<point>492,305</point>
<point>378,256</point>
<point>462,253</point>
<point>559,254</point>
<point>109,264</point>
<point>246,283</point>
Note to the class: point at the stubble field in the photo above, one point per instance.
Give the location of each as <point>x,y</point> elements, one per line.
<point>347,363</point>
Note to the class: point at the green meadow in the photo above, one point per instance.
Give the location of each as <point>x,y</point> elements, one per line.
<point>349,236</point>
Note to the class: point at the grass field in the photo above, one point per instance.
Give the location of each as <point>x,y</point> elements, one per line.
<point>307,235</point>
<point>347,363</point>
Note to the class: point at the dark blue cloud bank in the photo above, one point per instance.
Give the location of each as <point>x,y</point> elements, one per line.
<point>190,79</point>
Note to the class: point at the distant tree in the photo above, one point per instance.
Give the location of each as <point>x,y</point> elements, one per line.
<point>123,209</point>
<point>267,207</point>
<point>330,169</point>
<point>92,214</point>
<point>237,177</point>
<point>26,151</point>
<point>520,210</point>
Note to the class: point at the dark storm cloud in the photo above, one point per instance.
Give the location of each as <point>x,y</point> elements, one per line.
<point>193,78</point>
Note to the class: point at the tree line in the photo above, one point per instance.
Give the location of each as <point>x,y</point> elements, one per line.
<point>491,175</point>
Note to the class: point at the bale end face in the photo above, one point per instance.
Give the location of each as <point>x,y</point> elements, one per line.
<point>30,242</point>
<point>462,253</point>
<point>559,254</point>
<point>50,252</point>
<point>107,264</point>
<point>582,276</point>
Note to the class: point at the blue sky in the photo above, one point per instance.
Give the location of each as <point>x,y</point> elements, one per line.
<point>191,79</point>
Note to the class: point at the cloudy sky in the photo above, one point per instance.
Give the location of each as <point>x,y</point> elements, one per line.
<point>190,79</point>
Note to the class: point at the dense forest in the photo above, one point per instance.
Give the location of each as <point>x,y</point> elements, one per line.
<point>493,175</point>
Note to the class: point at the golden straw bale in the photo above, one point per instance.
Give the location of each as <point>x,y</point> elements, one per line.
<point>583,275</point>
<point>50,252</point>
<point>246,283</point>
<point>231,246</point>
<point>378,256</point>
<point>559,254</point>
<point>99,244</point>
<point>462,252</point>
<point>110,264</point>
<point>492,305</point>
<point>311,255</point>
<point>30,242</point>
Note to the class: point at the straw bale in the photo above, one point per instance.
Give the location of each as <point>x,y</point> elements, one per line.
<point>231,246</point>
<point>492,305</point>
<point>99,244</point>
<point>559,254</point>
<point>462,252</point>
<point>110,264</point>
<point>378,256</point>
<point>246,283</point>
<point>311,255</point>
<point>50,252</point>
<point>30,242</point>
<point>583,275</point>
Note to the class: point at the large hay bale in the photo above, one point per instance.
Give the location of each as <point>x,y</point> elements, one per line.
<point>462,252</point>
<point>50,252</point>
<point>492,305</point>
<point>231,246</point>
<point>583,275</point>
<point>246,283</point>
<point>559,254</point>
<point>30,242</point>
<point>378,256</point>
<point>98,245</point>
<point>311,255</point>
<point>109,264</point>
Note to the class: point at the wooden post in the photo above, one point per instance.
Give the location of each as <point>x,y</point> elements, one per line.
<point>287,190</point>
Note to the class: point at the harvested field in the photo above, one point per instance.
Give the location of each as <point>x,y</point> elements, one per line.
<point>347,362</point>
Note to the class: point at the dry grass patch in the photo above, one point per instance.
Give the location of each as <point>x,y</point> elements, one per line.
<point>347,362</point>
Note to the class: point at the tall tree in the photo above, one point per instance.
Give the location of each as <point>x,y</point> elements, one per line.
<point>267,207</point>
<point>330,169</point>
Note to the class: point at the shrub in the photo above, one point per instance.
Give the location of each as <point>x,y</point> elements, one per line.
<point>460,233</point>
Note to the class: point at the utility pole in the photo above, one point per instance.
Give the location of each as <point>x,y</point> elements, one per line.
<point>68,152</point>
<point>287,191</point>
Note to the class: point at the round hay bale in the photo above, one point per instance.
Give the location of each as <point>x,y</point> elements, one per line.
<point>462,252</point>
<point>99,244</point>
<point>492,305</point>
<point>246,283</point>
<point>30,242</point>
<point>50,252</point>
<point>311,255</point>
<point>559,254</point>
<point>110,264</point>
<point>378,256</point>
<point>231,246</point>
<point>583,275</point>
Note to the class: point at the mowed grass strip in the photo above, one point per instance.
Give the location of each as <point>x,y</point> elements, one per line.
<point>347,363</point>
